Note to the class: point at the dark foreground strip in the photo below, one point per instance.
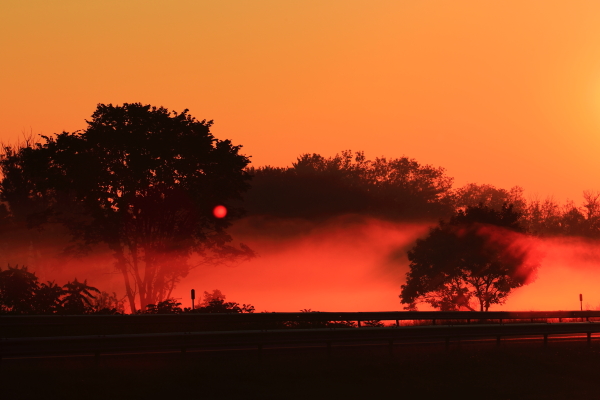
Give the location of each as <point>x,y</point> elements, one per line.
<point>182,341</point>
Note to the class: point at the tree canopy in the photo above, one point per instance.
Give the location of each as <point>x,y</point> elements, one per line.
<point>476,257</point>
<point>142,180</point>
<point>316,187</point>
<point>472,195</point>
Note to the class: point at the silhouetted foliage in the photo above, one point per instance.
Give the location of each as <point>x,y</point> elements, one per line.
<point>211,306</point>
<point>221,306</point>
<point>471,257</point>
<point>207,297</point>
<point>316,187</point>
<point>107,303</point>
<point>315,324</point>
<point>168,306</point>
<point>548,218</point>
<point>214,302</point>
<point>21,294</point>
<point>582,221</point>
<point>20,236</point>
<point>373,323</point>
<point>472,195</point>
<point>143,180</point>
<point>48,299</point>
<point>18,289</point>
<point>543,217</point>
<point>78,297</point>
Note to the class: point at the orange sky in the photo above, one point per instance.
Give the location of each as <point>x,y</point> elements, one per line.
<point>506,93</point>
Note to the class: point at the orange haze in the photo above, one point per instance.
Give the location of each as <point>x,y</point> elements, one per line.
<point>350,263</point>
<point>499,92</point>
<point>570,267</point>
<point>339,265</point>
<point>358,264</point>
<point>506,93</point>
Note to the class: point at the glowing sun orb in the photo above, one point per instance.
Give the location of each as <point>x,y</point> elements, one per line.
<point>220,211</point>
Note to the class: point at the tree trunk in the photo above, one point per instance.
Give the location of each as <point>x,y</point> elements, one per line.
<point>121,265</point>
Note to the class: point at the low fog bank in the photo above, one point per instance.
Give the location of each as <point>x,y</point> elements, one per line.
<point>570,266</point>
<point>348,263</point>
<point>355,263</point>
<point>50,254</point>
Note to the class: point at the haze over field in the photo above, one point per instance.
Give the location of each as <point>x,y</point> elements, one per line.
<point>349,263</point>
<point>506,94</point>
<point>358,264</point>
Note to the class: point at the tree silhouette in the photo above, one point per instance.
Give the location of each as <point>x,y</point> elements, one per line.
<point>472,194</point>
<point>543,217</point>
<point>108,303</point>
<point>213,303</point>
<point>78,297</point>
<point>207,297</point>
<point>167,306</point>
<point>316,187</point>
<point>475,256</point>
<point>581,221</point>
<point>18,289</point>
<point>220,306</point>
<point>21,294</point>
<point>140,179</point>
<point>43,248</point>
<point>48,299</point>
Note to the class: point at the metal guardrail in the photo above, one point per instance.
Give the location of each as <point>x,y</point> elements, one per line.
<point>293,316</point>
<point>183,341</point>
<point>98,334</point>
<point>102,324</point>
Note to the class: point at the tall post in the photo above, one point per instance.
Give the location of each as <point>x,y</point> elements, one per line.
<point>581,301</point>
<point>193,297</point>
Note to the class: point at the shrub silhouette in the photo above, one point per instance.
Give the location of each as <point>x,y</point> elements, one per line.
<point>21,294</point>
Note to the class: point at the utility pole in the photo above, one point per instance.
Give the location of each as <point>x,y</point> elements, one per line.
<point>193,297</point>
<point>581,301</point>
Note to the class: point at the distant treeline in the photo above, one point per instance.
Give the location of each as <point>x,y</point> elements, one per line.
<point>401,189</point>
<point>56,241</point>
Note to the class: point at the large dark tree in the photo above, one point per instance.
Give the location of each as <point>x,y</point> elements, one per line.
<point>140,179</point>
<point>478,256</point>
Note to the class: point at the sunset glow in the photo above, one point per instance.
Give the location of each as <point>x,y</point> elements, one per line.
<point>500,93</point>
<point>505,93</point>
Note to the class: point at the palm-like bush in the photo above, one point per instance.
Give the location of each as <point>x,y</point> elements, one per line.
<point>78,297</point>
<point>47,298</point>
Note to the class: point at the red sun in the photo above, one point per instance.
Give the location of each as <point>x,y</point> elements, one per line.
<point>220,211</point>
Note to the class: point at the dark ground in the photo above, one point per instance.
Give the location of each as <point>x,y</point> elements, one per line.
<point>472,371</point>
